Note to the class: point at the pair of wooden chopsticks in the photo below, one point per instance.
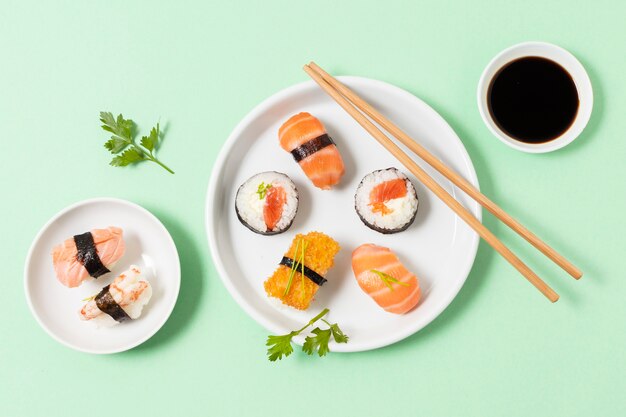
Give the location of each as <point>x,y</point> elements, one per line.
<point>350,101</point>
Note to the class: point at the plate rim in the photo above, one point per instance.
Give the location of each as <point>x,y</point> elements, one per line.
<point>216,176</point>
<point>46,226</point>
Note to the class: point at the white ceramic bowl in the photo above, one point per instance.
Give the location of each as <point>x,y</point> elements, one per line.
<point>558,55</point>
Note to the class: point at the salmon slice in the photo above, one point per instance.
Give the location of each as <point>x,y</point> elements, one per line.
<point>382,276</point>
<point>386,191</point>
<point>70,272</point>
<point>323,167</point>
<point>273,209</point>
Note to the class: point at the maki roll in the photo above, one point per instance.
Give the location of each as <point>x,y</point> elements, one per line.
<point>302,270</point>
<point>267,203</point>
<point>386,201</point>
<point>120,301</point>
<point>305,137</point>
<point>90,254</point>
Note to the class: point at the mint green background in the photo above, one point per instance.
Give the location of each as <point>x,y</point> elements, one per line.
<point>499,349</point>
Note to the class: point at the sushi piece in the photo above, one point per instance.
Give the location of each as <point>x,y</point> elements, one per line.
<point>386,201</point>
<point>382,276</point>
<point>120,301</point>
<point>302,270</point>
<point>90,254</point>
<point>267,203</point>
<point>305,137</point>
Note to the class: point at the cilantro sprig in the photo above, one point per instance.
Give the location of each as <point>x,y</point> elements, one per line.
<point>279,346</point>
<point>122,142</point>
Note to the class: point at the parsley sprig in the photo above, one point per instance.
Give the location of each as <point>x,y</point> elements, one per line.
<point>122,142</point>
<point>280,346</point>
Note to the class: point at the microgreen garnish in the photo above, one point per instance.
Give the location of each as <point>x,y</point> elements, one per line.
<point>302,272</point>
<point>262,189</point>
<point>123,140</point>
<point>388,280</point>
<point>297,261</point>
<point>280,346</point>
<point>293,269</point>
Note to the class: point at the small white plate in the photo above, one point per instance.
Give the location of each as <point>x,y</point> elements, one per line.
<point>439,247</point>
<point>148,245</point>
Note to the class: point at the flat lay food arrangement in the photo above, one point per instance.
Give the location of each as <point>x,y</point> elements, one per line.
<point>446,222</point>
<point>267,203</point>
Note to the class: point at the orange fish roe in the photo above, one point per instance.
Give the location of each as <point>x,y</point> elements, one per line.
<point>319,255</point>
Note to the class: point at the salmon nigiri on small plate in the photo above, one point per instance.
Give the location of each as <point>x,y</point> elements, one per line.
<point>102,276</point>
<point>351,193</point>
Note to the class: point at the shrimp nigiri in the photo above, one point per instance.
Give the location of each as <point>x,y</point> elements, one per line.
<point>305,137</point>
<point>382,276</point>
<point>122,300</point>
<point>88,254</point>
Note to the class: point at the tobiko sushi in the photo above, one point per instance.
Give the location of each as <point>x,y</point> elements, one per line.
<point>302,270</point>
<point>267,203</point>
<point>386,201</point>
<point>90,254</point>
<point>305,137</point>
<point>120,301</point>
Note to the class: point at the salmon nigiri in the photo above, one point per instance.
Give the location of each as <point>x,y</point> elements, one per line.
<point>305,137</point>
<point>88,254</point>
<point>382,276</point>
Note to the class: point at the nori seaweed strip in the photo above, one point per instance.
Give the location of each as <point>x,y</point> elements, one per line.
<point>88,255</point>
<point>309,273</point>
<point>107,304</point>
<point>312,146</point>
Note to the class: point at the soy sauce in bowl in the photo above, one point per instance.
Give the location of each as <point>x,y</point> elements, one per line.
<point>533,99</point>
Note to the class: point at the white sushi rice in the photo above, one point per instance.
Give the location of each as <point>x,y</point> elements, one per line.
<point>132,277</point>
<point>250,206</point>
<point>404,208</point>
<point>104,320</point>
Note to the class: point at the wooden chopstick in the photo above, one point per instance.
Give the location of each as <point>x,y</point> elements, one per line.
<point>449,173</point>
<point>432,185</point>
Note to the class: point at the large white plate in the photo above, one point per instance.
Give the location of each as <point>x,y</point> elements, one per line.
<point>148,245</point>
<point>439,247</point>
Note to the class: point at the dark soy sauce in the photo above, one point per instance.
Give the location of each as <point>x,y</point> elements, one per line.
<point>533,99</point>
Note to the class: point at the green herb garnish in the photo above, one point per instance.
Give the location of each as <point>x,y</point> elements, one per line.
<point>388,280</point>
<point>280,346</point>
<point>297,261</point>
<point>293,269</point>
<point>123,144</point>
<point>262,189</point>
<point>302,272</point>
<point>90,298</point>
<point>318,343</point>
